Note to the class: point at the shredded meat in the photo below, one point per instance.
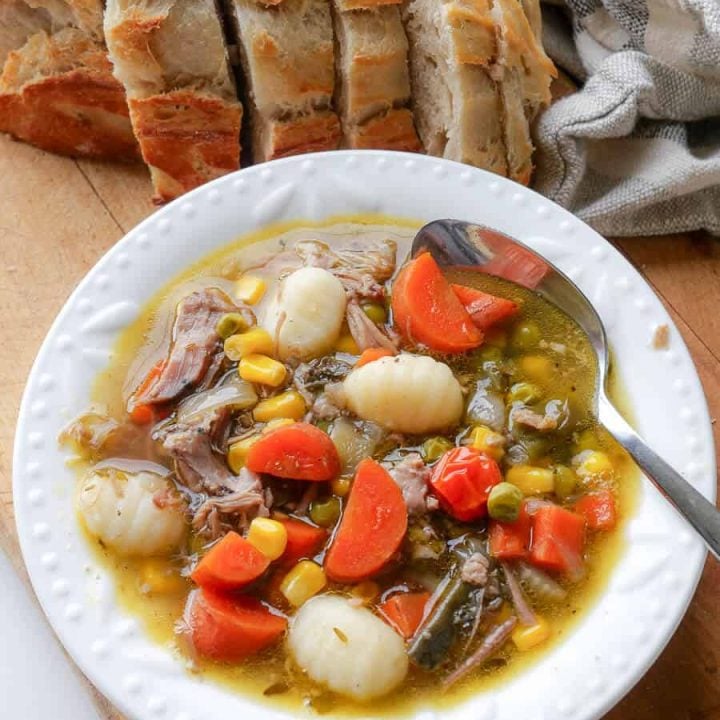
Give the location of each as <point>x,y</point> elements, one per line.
<point>329,404</point>
<point>221,499</point>
<point>475,570</point>
<point>362,269</point>
<point>411,475</point>
<point>551,420</point>
<point>194,344</point>
<point>248,499</point>
<point>365,332</point>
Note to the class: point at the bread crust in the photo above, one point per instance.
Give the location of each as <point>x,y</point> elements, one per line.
<point>394,130</point>
<point>171,57</point>
<point>58,92</point>
<point>187,138</point>
<point>316,132</point>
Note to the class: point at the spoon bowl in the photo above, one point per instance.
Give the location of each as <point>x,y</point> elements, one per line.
<point>455,243</point>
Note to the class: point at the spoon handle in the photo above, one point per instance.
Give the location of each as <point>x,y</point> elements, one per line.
<point>695,508</point>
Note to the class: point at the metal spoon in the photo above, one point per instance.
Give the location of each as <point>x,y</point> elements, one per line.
<point>462,244</point>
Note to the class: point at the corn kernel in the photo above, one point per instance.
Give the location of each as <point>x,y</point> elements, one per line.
<point>302,582</point>
<point>250,289</point>
<point>268,536</point>
<point>487,441</point>
<point>341,486</point>
<point>367,591</point>
<point>289,404</point>
<point>346,344</point>
<point>255,340</point>
<point>593,463</point>
<point>158,577</point>
<point>262,369</point>
<point>238,451</point>
<point>277,423</point>
<point>537,367</point>
<point>526,638</point>
<point>531,480</point>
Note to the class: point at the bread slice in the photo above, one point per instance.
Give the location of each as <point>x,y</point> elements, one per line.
<point>526,74</point>
<point>456,101</point>
<point>287,56</point>
<point>57,90</point>
<point>170,56</point>
<point>373,81</point>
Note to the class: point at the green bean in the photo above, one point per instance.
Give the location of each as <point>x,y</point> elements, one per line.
<point>325,512</point>
<point>230,324</point>
<point>504,502</point>
<point>525,336</point>
<point>565,481</point>
<point>434,448</point>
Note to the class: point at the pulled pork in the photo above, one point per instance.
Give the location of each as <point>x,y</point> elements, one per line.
<point>195,343</point>
<point>412,476</point>
<point>365,332</point>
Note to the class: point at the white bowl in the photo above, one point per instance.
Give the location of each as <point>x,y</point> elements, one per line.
<point>650,587</point>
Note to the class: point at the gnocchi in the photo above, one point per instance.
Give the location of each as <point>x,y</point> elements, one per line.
<point>347,648</point>
<point>308,313</point>
<point>406,393</point>
<point>135,514</point>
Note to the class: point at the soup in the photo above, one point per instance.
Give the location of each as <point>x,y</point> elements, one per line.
<point>336,477</point>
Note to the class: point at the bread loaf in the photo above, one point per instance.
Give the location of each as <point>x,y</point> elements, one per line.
<point>287,56</point>
<point>57,90</point>
<point>170,56</point>
<point>456,101</point>
<point>373,83</point>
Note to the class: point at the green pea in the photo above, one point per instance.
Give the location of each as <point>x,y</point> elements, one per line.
<point>325,513</point>
<point>525,336</point>
<point>376,312</point>
<point>504,502</point>
<point>565,481</point>
<point>524,392</point>
<point>230,324</point>
<point>536,447</point>
<point>435,447</point>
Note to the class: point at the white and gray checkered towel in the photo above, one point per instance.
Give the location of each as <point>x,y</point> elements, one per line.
<point>637,150</point>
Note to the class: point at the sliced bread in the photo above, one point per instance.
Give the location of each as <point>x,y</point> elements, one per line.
<point>373,83</point>
<point>171,57</point>
<point>456,100</point>
<point>287,57</point>
<point>57,90</point>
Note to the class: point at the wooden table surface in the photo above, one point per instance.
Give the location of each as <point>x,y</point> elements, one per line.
<point>58,216</point>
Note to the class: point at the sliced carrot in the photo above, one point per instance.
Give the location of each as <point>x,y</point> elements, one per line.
<point>303,541</point>
<point>372,354</point>
<point>598,509</point>
<point>372,526</point>
<point>427,311</point>
<point>405,611</point>
<point>230,628</point>
<point>142,414</point>
<point>511,540</point>
<point>485,310</point>
<point>558,539</point>
<point>462,480</point>
<point>231,564</point>
<point>299,451</point>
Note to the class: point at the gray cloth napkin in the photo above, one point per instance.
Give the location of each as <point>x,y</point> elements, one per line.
<point>637,150</point>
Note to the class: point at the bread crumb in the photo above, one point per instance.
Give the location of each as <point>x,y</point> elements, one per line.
<point>661,337</point>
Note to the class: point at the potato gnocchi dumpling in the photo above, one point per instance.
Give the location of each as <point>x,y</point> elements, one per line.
<point>135,514</point>
<point>407,393</point>
<point>308,313</point>
<point>347,648</point>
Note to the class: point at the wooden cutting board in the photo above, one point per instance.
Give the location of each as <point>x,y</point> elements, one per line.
<point>58,216</point>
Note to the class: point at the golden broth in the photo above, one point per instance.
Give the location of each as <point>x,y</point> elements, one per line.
<point>138,348</point>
